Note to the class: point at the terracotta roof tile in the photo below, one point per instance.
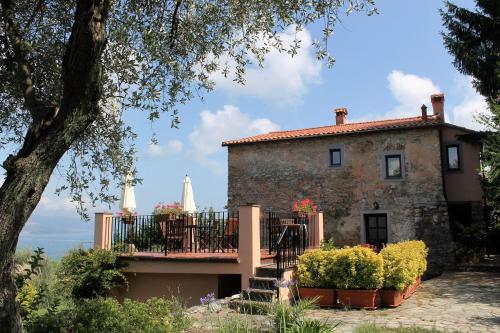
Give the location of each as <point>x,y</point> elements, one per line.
<point>339,129</point>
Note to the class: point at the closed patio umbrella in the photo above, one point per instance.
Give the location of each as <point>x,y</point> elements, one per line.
<point>127,200</point>
<point>188,204</point>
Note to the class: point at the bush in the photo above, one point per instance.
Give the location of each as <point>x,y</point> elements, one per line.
<point>310,269</point>
<point>356,268</point>
<point>152,316</point>
<point>88,274</point>
<point>404,262</point>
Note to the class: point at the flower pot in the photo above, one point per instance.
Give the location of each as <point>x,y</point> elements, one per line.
<point>358,299</point>
<point>391,298</point>
<point>128,219</point>
<point>326,296</point>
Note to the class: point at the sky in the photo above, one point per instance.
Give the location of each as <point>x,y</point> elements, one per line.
<point>386,66</point>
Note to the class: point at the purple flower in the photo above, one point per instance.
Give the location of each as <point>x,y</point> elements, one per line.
<point>284,283</point>
<point>210,298</point>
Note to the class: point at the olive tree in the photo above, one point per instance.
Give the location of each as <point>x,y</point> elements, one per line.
<point>69,69</point>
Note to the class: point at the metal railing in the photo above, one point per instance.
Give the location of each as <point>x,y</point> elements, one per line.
<point>291,243</point>
<point>205,232</point>
<point>272,224</point>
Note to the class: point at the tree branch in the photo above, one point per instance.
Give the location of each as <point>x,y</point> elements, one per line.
<point>175,24</point>
<point>37,108</point>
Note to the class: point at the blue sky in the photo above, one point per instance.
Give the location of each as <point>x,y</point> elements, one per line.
<point>387,65</point>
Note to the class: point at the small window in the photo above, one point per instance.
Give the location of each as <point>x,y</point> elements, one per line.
<point>453,157</point>
<point>393,166</point>
<point>335,157</point>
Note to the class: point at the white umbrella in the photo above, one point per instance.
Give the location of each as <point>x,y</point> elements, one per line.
<point>127,201</point>
<point>188,204</point>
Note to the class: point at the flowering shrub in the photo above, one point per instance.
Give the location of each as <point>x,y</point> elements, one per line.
<point>404,262</point>
<point>166,209</point>
<point>310,269</point>
<point>357,268</point>
<point>304,206</point>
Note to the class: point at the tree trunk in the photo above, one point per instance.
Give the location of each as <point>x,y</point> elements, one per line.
<point>29,171</point>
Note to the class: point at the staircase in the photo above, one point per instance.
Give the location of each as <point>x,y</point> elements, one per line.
<point>262,293</point>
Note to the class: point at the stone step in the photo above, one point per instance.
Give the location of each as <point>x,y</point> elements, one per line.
<point>250,307</point>
<point>269,270</point>
<point>259,295</point>
<point>267,283</point>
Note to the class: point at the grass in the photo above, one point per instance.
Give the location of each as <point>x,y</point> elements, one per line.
<point>371,328</point>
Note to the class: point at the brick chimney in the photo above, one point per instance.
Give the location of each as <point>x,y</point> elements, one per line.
<point>424,112</point>
<point>341,116</point>
<point>437,101</point>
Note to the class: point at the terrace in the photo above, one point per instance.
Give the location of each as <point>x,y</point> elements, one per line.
<point>208,246</point>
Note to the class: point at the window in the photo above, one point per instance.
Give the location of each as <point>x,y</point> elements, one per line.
<point>376,229</point>
<point>453,157</point>
<point>393,166</point>
<point>335,157</point>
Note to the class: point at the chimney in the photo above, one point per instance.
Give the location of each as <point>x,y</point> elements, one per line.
<point>437,101</point>
<point>424,112</point>
<point>340,116</point>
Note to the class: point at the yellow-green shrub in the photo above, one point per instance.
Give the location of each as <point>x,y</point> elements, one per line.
<point>356,268</point>
<point>403,263</point>
<point>310,269</point>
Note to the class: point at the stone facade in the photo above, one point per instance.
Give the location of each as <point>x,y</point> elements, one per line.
<point>274,174</point>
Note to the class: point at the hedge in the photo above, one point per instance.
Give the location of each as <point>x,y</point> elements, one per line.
<point>395,267</point>
<point>404,262</point>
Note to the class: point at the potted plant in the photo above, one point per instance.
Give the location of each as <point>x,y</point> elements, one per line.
<point>166,213</point>
<point>358,273</point>
<point>304,207</point>
<point>127,218</point>
<point>311,280</point>
<point>398,275</point>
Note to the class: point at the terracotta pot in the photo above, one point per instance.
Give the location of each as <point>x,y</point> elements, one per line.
<point>326,295</point>
<point>359,299</point>
<point>410,290</point>
<point>128,219</point>
<point>391,298</point>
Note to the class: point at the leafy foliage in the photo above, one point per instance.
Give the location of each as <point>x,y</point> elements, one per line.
<point>357,268</point>
<point>108,315</point>
<point>311,269</point>
<point>89,274</point>
<point>159,54</point>
<point>403,263</point>
<point>472,37</point>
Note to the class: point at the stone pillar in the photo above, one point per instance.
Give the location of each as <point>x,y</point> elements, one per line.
<point>318,230</point>
<point>102,231</point>
<point>249,242</point>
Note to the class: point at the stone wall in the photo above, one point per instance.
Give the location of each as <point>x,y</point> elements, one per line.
<point>274,174</point>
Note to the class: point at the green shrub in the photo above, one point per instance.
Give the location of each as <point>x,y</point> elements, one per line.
<point>310,269</point>
<point>403,263</point>
<point>357,268</point>
<point>152,316</point>
<point>88,274</point>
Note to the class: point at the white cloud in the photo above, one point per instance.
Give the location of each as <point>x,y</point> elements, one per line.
<point>473,104</point>
<point>221,125</point>
<point>170,148</point>
<point>284,79</point>
<point>411,91</point>
<point>55,206</point>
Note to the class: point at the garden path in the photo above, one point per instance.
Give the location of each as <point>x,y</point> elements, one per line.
<point>454,302</point>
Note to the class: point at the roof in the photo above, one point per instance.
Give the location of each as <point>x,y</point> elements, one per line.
<point>362,127</point>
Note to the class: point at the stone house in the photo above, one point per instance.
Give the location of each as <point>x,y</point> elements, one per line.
<point>376,182</point>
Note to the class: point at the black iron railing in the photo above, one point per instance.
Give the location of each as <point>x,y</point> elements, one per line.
<point>205,232</point>
<point>291,243</point>
<point>272,224</point>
